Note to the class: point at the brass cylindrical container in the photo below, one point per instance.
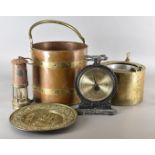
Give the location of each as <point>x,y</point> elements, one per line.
<point>55,65</point>
<point>130,77</point>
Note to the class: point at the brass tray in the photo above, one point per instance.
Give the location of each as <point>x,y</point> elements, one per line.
<point>43,117</point>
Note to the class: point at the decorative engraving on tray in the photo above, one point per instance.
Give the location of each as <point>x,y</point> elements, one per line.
<point>43,117</point>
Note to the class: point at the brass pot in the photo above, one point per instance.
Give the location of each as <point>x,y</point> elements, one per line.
<point>130,77</point>
<point>55,65</point>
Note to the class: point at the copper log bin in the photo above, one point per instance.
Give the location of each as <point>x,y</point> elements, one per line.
<point>55,65</point>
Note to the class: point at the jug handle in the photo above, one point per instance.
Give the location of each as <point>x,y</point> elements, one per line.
<point>54,22</point>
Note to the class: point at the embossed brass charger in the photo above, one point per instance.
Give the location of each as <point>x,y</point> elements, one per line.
<point>43,117</point>
<point>55,64</point>
<point>130,77</point>
<point>96,85</point>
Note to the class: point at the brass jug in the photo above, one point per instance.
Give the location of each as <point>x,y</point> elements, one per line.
<point>130,77</point>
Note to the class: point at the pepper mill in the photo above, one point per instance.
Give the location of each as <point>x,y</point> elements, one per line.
<point>19,83</point>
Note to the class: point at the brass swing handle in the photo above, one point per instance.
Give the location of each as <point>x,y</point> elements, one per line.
<point>53,22</point>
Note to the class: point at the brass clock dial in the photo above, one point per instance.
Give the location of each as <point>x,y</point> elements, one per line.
<point>96,84</point>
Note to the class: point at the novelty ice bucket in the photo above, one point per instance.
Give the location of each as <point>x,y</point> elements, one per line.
<point>55,65</point>
<point>130,77</point>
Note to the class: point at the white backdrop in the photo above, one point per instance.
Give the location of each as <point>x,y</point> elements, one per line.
<point>113,36</point>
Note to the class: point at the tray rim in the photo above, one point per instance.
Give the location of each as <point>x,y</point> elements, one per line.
<point>58,128</point>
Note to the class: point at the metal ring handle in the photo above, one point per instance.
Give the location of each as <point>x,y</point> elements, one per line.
<point>54,22</point>
<point>98,57</point>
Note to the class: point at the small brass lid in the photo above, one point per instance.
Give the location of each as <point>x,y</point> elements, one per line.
<point>124,66</point>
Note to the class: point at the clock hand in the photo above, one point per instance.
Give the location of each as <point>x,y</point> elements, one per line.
<point>96,86</point>
<point>94,79</point>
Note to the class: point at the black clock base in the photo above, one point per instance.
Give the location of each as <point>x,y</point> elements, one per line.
<point>96,111</point>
